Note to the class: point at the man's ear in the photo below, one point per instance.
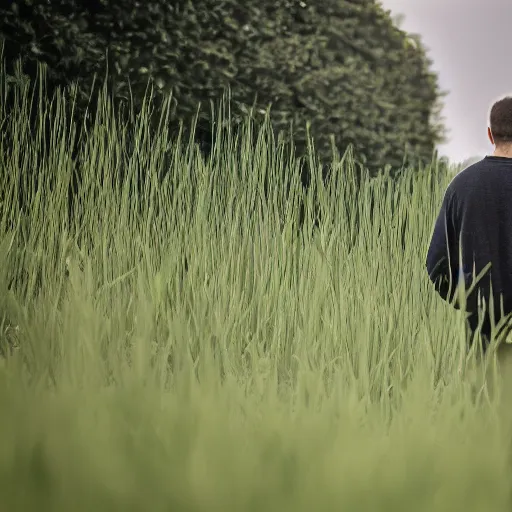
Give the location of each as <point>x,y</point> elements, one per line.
<point>489,133</point>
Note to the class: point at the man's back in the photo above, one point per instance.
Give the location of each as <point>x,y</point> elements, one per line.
<point>478,209</point>
<point>483,216</point>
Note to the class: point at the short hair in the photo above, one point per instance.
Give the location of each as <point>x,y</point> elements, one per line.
<point>501,121</point>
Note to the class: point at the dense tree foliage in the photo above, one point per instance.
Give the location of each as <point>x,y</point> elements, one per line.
<point>342,64</point>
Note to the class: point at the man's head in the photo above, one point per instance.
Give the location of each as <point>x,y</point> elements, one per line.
<point>500,131</point>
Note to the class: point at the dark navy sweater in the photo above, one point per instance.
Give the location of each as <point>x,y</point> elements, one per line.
<point>476,216</point>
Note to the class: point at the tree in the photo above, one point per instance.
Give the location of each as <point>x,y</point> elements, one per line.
<point>344,66</point>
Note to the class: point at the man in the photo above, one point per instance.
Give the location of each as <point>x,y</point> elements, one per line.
<point>473,235</point>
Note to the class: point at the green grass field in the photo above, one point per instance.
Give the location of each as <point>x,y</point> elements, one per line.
<point>279,369</point>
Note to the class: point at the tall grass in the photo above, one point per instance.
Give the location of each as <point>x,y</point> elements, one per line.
<point>182,345</point>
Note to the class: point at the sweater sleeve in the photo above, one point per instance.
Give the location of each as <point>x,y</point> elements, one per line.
<point>442,261</point>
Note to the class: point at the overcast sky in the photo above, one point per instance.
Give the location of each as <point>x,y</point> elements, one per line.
<point>470,44</point>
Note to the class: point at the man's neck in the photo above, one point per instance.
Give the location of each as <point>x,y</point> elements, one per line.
<point>503,154</point>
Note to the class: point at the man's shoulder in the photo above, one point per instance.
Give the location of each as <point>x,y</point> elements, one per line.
<point>471,172</point>
<point>471,169</point>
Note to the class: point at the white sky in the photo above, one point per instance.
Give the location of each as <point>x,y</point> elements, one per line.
<point>470,44</point>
